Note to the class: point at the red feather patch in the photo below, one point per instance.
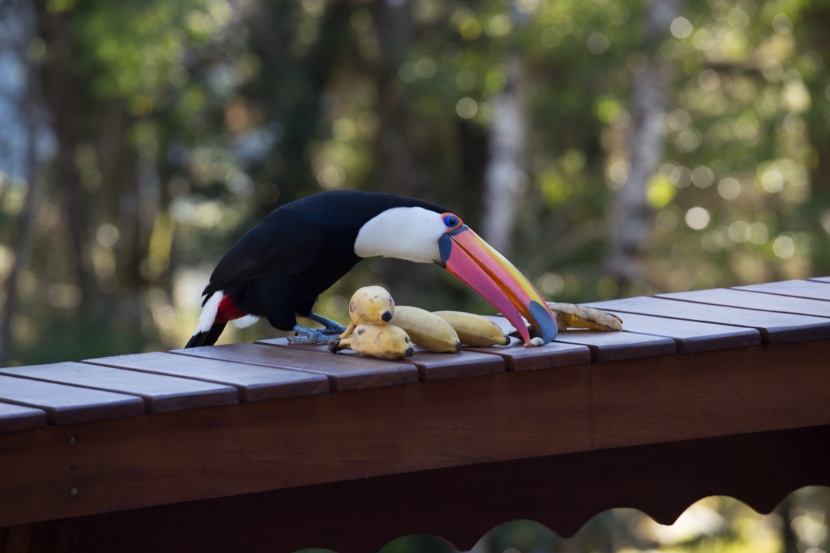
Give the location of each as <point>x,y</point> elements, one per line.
<point>228,311</point>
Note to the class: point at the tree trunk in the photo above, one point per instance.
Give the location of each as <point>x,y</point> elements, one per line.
<point>29,104</point>
<point>303,80</point>
<point>507,153</point>
<point>397,168</point>
<point>63,95</point>
<point>631,216</point>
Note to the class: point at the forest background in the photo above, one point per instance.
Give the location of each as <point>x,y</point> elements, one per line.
<point>608,147</point>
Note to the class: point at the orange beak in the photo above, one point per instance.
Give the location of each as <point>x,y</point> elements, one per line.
<point>465,255</point>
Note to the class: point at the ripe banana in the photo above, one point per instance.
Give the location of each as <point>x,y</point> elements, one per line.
<point>426,329</point>
<point>569,315</point>
<point>384,341</point>
<point>370,304</point>
<point>474,330</point>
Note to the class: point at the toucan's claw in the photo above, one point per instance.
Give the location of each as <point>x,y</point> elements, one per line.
<point>331,327</point>
<point>313,336</point>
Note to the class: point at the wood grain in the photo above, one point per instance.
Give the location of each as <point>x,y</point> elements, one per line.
<point>670,398</point>
<point>15,418</point>
<point>344,372</point>
<point>431,365</point>
<point>562,492</point>
<point>755,300</point>
<point>254,383</point>
<point>774,327</point>
<point>555,354</point>
<point>68,404</point>
<point>291,442</point>
<point>614,346</point>
<point>691,336</point>
<point>160,393</point>
<point>245,448</point>
<point>797,288</point>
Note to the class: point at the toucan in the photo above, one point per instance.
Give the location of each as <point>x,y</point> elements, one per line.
<point>279,268</point>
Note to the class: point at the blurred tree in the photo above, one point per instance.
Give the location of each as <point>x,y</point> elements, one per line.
<point>811,28</point>
<point>506,168</point>
<point>299,47</point>
<point>29,104</point>
<point>631,217</point>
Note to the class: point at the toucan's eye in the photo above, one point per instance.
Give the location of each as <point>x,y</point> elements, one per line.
<point>451,221</point>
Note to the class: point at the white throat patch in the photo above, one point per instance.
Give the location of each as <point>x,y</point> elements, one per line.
<point>409,233</point>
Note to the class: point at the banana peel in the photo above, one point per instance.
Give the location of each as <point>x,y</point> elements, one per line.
<point>569,315</point>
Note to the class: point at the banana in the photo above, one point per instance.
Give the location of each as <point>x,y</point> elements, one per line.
<point>569,315</point>
<point>384,341</point>
<point>370,304</point>
<point>426,329</point>
<point>474,330</point>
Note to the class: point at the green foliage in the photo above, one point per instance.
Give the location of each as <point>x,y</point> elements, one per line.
<point>229,111</point>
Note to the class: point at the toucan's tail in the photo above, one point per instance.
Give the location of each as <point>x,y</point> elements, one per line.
<point>206,338</point>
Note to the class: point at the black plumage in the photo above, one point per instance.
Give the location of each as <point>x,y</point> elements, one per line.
<point>279,268</point>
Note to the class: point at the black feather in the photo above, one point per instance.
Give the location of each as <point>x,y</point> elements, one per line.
<point>279,267</point>
<point>207,338</point>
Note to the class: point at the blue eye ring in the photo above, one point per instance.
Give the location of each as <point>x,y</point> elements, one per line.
<point>451,221</point>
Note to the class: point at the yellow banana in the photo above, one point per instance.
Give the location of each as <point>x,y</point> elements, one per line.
<point>370,304</point>
<point>474,330</point>
<point>569,315</point>
<point>383,341</point>
<point>426,329</point>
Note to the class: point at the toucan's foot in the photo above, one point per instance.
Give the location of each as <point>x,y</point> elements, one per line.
<point>331,327</point>
<point>314,336</point>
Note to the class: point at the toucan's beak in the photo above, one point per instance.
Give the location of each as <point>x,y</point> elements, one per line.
<point>479,266</point>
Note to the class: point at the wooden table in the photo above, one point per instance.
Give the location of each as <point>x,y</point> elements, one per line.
<point>268,447</point>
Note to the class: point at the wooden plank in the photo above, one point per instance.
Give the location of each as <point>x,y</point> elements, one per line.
<point>68,404</point>
<point>254,383</point>
<point>519,358</point>
<point>464,364</point>
<point>615,346</point>
<point>562,492</point>
<point>691,336</point>
<point>213,452</point>
<point>431,365</point>
<point>555,354</point>
<point>798,288</point>
<point>774,327</point>
<point>344,372</point>
<point>160,393</point>
<point>269,445</point>
<point>755,300</point>
<point>758,388</point>
<point>15,418</point>
<point>607,345</point>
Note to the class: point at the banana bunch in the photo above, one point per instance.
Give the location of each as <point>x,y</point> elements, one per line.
<point>379,328</point>
<point>370,310</point>
<point>369,305</point>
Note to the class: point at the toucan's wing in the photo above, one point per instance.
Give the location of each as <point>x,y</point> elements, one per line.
<point>283,243</point>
